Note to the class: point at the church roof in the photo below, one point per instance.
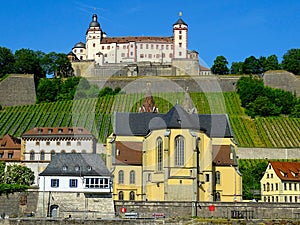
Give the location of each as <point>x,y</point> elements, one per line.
<point>140,124</point>
<point>76,164</point>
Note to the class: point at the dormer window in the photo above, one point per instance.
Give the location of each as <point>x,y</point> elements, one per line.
<point>70,130</point>
<point>285,175</point>
<point>50,131</point>
<point>40,130</point>
<point>77,168</point>
<point>80,130</point>
<point>65,168</point>
<point>89,168</point>
<point>60,131</point>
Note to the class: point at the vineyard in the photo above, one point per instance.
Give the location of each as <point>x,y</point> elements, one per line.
<point>96,115</point>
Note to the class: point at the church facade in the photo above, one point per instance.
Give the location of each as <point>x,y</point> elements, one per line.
<point>109,51</point>
<point>177,156</point>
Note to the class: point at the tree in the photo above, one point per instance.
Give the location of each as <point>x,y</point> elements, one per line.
<point>236,68</point>
<point>269,63</point>
<point>67,89</point>
<point>48,90</point>
<point>262,106</point>
<point>220,66</point>
<point>291,61</point>
<point>252,65</point>
<point>57,65</point>
<point>6,61</point>
<point>28,61</point>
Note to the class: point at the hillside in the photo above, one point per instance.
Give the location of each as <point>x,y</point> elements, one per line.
<point>96,116</point>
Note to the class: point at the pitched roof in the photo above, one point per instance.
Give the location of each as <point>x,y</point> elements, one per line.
<point>223,155</point>
<point>180,21</point>
<point>57,131</point>
<point>129,153</point>
<point>287,171</point>
<point>140,124</point>
<point>76,164</point>
<point>109,40</point>
<point>10,142</point>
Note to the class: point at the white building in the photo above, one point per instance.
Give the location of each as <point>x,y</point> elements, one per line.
<point>70,182</point>
<point>104,49</point>
<point>39,144</point>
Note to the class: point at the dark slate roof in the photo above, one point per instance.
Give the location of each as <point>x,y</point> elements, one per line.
<point>76,164</point>
<point>141,124</point>
<point>180,21</point>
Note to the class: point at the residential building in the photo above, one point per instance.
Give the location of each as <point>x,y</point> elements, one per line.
<point>281,182</point>
<point>177,156</point>
<point>39,144</point>
<point>10,148</point>
<point>76,185</point>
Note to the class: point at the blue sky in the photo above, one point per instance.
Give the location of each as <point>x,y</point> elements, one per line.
<point>235,29</point>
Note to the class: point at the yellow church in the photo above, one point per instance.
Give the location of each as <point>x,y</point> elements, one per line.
<point>177,156</point>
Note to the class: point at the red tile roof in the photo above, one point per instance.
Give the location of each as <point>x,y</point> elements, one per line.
<point>48,131</point>
<point>129,153</point>
<point>109,40</point>
<point>287,171</point>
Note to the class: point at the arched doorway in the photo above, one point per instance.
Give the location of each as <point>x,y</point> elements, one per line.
<point>54,211</point>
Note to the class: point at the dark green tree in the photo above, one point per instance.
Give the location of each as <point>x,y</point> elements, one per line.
<point>252,65</point>
<point>57,65</point>
<point>7,61</point>
<point>236,68</point>
<point>28,62</point>
<point>220,66</point>
<point>48,90</point>
<point>291,61</point>
<point>269,63</point>
<point>262,106</point>
<point>67,89</point>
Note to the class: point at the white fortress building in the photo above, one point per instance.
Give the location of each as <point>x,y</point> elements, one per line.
<point>102,55</point>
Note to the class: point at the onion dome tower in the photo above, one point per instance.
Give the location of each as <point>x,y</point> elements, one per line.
<point>93,38</point>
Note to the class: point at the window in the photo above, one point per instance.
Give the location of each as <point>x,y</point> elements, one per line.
<point>159,149</point>
<point>42,155</point>
<point>37,143</point>
<point>47,142</point>
<point>70,130</point>
<point>218,177</point>
<point>217,196</point>
<point>58,143</point>
<point>180,45</point>
<point>131,196</point>
<point>180,32</point>
<point>180,53</point>
<point>132,177</point>
<point>80,130</point>
<point>50,131</point>
<point>206,177</point>
<point>31,155</point>
<point>40,130</point>
<point>272,189</point>
<point>179,151</point>
<point>276,186</point>
<point>65,168</point>
<point>60,130</point>
<point>290,186</point>
<point>123,55</point>
<point>52,153</point>
<point>147,46</point>
<point>10,155</point>
<point>295,187</point>
<point>73,183</point>
<point>77,168</point>
<point>78,143</point>
<point>94,45</point>
<point>1,155</point>
<point>121,177</point>
<point>68,143</point>
<point>284,186</point>
<point>121,195</point>
<point>180,37</point>
<point>63,151</point>
<point>97,183</point>
<point>171,55</point>
<point>54,183</point>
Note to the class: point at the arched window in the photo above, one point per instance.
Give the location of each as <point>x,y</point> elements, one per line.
<point>42,156</point>
<point>131,196</point>
<point>217,196</point>
<point>52,153</point>
<point>73,151</point>
<point>63,151</point>
<point>159,150</point>
<point>132,177</point>
<point>121,195</point>
<point>32,155</point>
<point>121,177</point>
<point>179,151</point>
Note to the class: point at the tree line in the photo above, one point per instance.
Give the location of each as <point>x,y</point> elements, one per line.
<point>253,65</point>
<point>27,61</point>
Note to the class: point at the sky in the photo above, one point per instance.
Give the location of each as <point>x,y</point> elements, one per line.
<point>236,29</point>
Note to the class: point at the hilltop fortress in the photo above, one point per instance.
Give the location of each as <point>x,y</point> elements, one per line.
<point>102,56</point>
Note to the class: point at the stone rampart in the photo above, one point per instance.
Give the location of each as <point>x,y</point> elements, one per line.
<point>268,153</point>
<point>17,89</point>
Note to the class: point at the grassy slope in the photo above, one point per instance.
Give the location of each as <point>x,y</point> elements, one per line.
<point>96,115</point>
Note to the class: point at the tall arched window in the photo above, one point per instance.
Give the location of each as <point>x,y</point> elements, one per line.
<point>132,177</point>
<point>179,151</point>
<point>159,150</point>
<point>42,156</point>
<point>121,195</point>
<point>218,177</point>
<point>131,196</point>
<point>32,155</point>
<point>121,177</point>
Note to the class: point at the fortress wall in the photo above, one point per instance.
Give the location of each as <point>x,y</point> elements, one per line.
<point>18,89</point>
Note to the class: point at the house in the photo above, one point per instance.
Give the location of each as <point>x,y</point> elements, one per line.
<point>281,182</point>
<point>154,157</point>
<point>76,185</point>
<point>10,149</point>
<point>39,144</point>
